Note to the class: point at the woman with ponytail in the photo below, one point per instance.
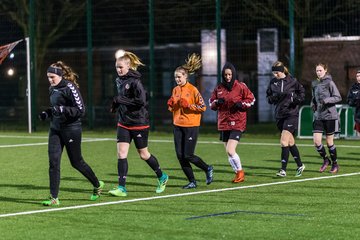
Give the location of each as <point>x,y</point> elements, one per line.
<point>187,105</point>
<point>286,93</point>
<point>130,104</point>
<point>65,112</point>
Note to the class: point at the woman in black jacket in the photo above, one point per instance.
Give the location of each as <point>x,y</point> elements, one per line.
<point>130,103</point>
<point>65,112</point>
<point>353,99</point>
<point>286,93</point>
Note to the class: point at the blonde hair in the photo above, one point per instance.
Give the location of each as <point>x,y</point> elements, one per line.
<point>67,72</point>
<point>281,64</point>
<point>192,63</point>
<point>131,59</point>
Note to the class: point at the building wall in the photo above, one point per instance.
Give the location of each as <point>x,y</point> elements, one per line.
<point>342,55</point>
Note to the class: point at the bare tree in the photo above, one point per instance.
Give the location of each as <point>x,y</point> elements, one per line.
<point>53,19</point>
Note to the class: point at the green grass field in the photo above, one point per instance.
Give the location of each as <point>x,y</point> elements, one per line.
<point>314,206</point>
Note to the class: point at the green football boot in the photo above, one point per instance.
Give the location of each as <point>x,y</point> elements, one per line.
<point>97,191</point>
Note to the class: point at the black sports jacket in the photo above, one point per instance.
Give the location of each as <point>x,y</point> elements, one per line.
<point>286,94</point>
<point>353,99</point>
<point>67,106</point>
<point>131,100</point>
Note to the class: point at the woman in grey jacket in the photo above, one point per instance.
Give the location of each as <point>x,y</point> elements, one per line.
<point>326,119</point>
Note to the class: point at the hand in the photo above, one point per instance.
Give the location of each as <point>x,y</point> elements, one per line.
<point>273,99</point>
<point>57,110</point>
<point>114,107</point>
<point>184,103</point>
<point>43,116</point>
<point>352,102</point>
<point>239,106</point>
<point>220,101</point>
<point>171,102</point>
<point>296,101</point>
<point>314,108</point>
<point>281,95</point>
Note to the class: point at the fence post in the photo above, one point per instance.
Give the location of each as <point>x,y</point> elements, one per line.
<point>291,37</point>
<point>151,63</point>
<point>90,95</point>
<point>33,80</point>
<point>218,39</point>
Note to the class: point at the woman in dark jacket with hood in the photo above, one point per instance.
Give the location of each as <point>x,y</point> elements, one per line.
<point>286,93</point>
<point>231,99</point>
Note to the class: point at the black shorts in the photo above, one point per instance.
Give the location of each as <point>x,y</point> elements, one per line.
<point>140,136</point>
<point>231,134</point>
<point>330,127</point>
<point>289,124</point>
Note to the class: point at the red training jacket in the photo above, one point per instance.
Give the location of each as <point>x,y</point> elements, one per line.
<point>230,117</point>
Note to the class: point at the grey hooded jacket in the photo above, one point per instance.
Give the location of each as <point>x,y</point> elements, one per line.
<point>324,97</point>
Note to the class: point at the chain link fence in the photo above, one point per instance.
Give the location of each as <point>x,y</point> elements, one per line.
<point>86,34</point>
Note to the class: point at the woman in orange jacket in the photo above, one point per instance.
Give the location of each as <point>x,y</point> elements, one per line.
<point>187,104</point>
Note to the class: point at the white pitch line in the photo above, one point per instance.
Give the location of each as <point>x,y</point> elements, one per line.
<point>45,143</point>
<point>253,143</point>
<point>17,136</point>
<point>156,141</point>
<point>171,141</point>
<point>174,195</point>
<point>23,145</point>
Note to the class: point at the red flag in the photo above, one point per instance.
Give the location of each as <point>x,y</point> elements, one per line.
<point>6,49</point>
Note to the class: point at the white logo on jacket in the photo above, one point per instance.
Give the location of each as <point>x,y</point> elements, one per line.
<point>75,95</point>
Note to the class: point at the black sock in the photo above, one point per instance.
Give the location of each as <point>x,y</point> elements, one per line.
<point>321,151</point>
<point>122,171</point>
<point>284,157</point>
<point>333,153</point>
<point>295,153</point>
<point>154,164</point>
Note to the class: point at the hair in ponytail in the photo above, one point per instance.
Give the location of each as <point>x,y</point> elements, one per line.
<point>192,63</point>
<point>133,60</point>
<point>67,72</point>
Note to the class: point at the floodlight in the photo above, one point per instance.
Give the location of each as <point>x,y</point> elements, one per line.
<point>10,72</point>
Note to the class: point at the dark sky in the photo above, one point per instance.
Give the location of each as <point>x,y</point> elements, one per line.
<point>114,24</point>
<point>9,31</point>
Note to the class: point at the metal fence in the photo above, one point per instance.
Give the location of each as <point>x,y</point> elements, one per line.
<point>250,34</point>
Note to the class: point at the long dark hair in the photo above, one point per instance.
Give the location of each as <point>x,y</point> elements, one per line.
<point>67,72</point>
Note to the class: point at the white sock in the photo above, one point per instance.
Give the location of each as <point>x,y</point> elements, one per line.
<point>232,163</point>
<point>235,162</point>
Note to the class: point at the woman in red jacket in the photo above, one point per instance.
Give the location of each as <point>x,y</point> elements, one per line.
<point>187,105</point>
<point>231,99</point>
